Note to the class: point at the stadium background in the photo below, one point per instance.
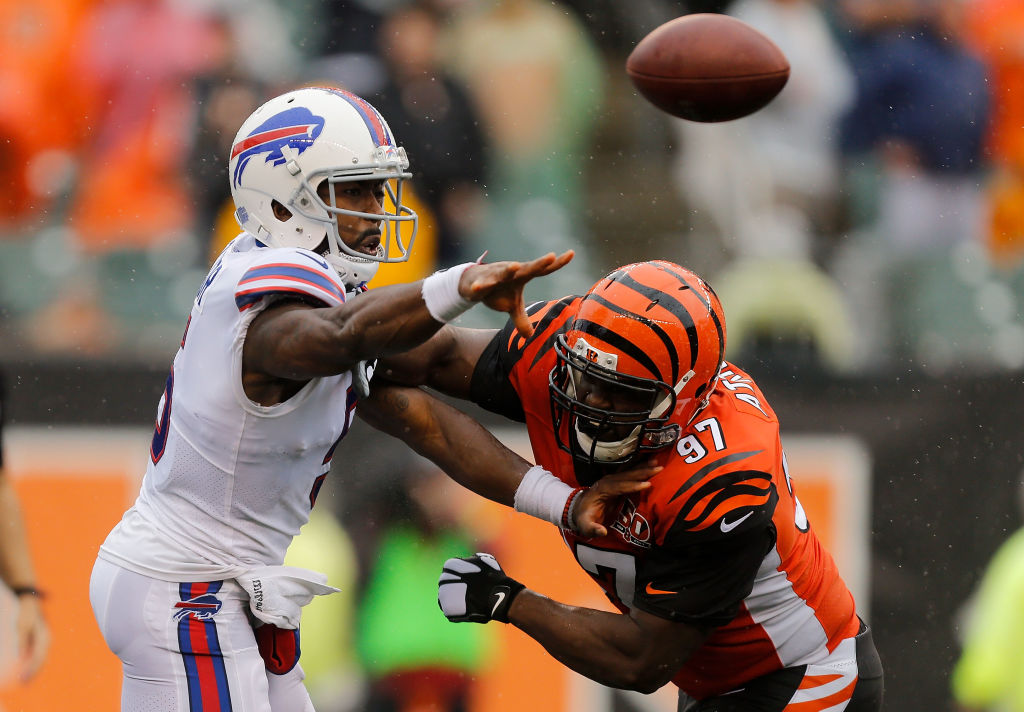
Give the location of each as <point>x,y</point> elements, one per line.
<point>900,332</point>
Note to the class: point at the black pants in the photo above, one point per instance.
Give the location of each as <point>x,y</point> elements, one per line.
<point>771,692</point>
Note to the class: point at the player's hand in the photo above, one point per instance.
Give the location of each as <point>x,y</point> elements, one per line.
<point>475,589</point>
<point>33,637</point>
<point>598,504</point>
<point>499,285</point>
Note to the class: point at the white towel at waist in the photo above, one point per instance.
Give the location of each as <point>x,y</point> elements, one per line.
<point>278,593</point>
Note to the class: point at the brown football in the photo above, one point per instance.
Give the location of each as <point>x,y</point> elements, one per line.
<point>707,67</point>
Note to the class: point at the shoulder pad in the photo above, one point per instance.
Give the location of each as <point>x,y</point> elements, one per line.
<point>289,272</point>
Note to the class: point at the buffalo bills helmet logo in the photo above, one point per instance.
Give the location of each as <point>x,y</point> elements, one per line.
<point>200,608</point>
<point>297,127</point>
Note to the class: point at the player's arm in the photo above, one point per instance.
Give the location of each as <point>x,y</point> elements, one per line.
<point>294,341</point>
<point>682,592</point>
<point>474,458</point>
<point>453,441</point>
<point>17,572</point>
<point>635,651</point>
<point>475,364</point>
<point>445,362</point>
<point>638,651</point>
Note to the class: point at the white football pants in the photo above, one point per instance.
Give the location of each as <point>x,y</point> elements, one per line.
<point>187,647</point>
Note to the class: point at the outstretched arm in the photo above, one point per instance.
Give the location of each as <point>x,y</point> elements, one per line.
<point>638,651</point>
<point>453,441</point>
<point>445,362</point>
<point>634,651</point>
<point>474,458</point>
<point>294,341</point>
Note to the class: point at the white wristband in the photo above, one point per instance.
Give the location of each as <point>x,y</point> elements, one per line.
<point>441,293</point>
<point>540,494</point>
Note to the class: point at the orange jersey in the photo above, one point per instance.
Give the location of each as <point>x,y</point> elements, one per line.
<point>720,539</point>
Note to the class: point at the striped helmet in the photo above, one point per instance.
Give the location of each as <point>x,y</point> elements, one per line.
<point>295,142</point>
<point>640,358</point>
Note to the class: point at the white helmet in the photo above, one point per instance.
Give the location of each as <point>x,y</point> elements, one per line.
<point>289,146</point>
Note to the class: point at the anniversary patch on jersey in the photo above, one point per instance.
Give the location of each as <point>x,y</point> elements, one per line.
<point>632,526</point>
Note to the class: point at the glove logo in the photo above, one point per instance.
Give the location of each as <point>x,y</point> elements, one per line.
<point>501,597</point>
<point>475,589</point>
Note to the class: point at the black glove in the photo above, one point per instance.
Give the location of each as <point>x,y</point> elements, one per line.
<point>475,589</point>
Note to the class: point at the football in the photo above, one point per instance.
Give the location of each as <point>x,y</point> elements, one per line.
<point>707,67</point>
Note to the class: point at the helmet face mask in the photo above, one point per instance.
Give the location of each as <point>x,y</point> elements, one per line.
<point>637,420</point>
<point>392,247</point>
<point>636,364</point>
<point>296,143</point>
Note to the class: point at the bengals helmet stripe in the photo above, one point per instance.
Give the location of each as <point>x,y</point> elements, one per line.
<point>706,303</point>
<point>673,306</point>
<point>552,314</point>
<point>616,341</point>
<point>655,327</point>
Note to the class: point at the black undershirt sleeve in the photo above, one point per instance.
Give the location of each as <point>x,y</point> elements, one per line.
<point>490,387</point>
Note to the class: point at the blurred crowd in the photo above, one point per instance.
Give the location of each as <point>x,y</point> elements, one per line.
<point>871,217</point>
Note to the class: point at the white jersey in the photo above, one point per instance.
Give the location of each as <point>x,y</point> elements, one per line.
<point>230,482</point>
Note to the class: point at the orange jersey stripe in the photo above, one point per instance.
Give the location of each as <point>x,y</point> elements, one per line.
<point>817,680</point>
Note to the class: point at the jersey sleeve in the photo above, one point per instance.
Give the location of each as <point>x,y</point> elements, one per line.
<point>292,273</point>
<point>493,383</point>
<point>490,387</point>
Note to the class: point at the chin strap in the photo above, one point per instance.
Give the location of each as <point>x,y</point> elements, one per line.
<point>352,273</point>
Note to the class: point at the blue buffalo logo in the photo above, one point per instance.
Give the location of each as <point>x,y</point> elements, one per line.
<point>200,608</point>
<point>297,127</point>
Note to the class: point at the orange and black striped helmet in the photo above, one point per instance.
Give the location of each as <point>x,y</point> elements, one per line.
<point>639,359</point>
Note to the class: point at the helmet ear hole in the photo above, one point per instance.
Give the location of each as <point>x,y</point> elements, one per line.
<point>323,248</point>
<point>280,212</point>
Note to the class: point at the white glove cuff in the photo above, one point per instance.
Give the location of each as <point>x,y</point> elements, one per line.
<point>542,495</point>
<point>441,293</point>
